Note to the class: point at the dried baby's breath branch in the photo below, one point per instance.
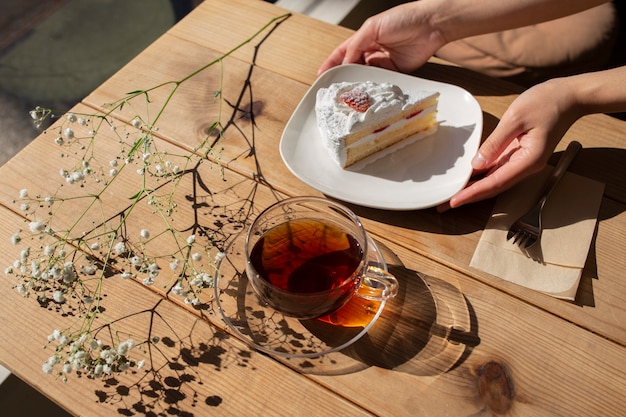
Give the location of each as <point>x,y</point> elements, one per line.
<point>77,238</point>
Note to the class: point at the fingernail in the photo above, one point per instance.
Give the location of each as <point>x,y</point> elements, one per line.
<point>479,161</point>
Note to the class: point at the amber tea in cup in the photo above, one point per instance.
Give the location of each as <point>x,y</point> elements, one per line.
<point>307,256</point>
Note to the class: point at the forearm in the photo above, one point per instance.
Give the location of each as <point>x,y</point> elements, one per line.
<point>457,19</point>
<point>597,92</point>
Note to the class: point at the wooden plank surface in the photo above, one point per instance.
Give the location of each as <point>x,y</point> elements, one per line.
<point>455,342</point>
<point>495,333</point>
<point>303,44</point>
<point>198,368</point>
<point>426,232</point>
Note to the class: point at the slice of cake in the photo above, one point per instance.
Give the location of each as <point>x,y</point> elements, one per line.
<point>359,121</point>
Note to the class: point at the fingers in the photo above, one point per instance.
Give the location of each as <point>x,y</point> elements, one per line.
<point>521,143</point>
<point>354,49</point>
<point>485,188</point>
<point>509,169</point>
<point>493,155</point>
<point>346,53</point>
<point>335,58</point>
<point>505,132</point>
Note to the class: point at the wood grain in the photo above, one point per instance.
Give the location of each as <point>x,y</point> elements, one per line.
<point>456,341</point>
<point>425,231</point>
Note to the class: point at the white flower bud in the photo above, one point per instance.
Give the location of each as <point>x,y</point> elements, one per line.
<point>58,297</point>
<point>36,227</point>
<point>68,133</point>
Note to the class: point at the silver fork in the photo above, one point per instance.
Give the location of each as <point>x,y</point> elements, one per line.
<point>526,231</point>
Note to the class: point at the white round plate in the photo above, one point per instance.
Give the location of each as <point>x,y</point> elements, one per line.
<point>421,175</point>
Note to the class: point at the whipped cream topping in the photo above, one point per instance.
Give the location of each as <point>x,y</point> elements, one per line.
<point>336,119</point>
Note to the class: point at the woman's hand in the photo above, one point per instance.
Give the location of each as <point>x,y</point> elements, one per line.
<point>405,37</point>
<point>399,39</point>
<point>522,142</point>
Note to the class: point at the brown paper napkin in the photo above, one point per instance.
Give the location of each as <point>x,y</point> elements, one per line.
<point>569,219</point>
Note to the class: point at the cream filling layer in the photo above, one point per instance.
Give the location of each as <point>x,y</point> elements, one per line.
<point>338,147</point>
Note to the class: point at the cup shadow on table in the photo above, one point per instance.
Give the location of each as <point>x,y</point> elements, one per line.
<point>428,329</point>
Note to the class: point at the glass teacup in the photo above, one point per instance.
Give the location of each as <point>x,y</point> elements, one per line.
<point>307,257</point>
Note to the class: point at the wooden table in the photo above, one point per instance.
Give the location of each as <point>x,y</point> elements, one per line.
<point>511,351</point>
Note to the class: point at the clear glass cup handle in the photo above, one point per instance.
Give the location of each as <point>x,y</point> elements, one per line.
<point>378,284</point>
